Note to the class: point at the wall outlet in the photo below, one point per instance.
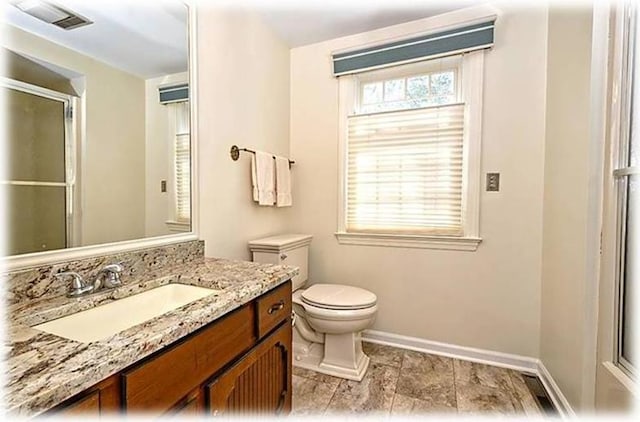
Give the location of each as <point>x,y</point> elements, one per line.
<point>493,182</point>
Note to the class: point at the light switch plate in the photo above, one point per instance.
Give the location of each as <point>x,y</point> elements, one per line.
<point>493,182</point>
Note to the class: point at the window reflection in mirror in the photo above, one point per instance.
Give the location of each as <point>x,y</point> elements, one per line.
<point>97,133</point>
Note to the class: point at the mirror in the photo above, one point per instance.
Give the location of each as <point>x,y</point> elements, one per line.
<point>97,141</point>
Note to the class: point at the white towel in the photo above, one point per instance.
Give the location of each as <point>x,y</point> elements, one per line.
<point>254,178</point>
<point>263,178</point>
<point>283,182</point>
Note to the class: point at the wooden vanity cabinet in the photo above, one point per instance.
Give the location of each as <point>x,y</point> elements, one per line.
<point>240,363</point>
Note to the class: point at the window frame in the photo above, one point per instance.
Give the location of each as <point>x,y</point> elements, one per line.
<point>471,70</point>
<point>622,172</point>
<point>174,223</point>
<point>614,384</point>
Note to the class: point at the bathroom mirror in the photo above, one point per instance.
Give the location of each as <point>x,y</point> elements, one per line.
<point>98,116</point>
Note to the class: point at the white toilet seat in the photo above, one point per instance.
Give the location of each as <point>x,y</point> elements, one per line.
<point>332,314</point>
<point>338,297</point>
<point>338,314</point>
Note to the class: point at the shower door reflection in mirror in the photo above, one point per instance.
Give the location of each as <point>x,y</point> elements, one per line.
<point>39,180</point>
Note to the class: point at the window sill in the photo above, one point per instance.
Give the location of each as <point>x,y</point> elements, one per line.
<point>622,377</point>
<point>178,226</point>
<point>410,241</point>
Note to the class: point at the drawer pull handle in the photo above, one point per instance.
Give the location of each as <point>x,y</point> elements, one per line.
<point>276,307</point>
<point>283,256</point>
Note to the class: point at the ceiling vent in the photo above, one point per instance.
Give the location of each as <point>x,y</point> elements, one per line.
<point>53,14</point>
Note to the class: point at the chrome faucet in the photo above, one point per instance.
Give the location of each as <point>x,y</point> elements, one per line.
<point>78,286</point>
<point>108,278</point>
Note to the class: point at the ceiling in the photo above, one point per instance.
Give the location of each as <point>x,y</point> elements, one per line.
<point>306,22</point>
<point>149,38</point>
<point>143,38</point>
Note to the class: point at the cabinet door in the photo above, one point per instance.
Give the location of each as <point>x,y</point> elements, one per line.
<point>260,382</point>
<point>101,399</point>
<point>191,405</point>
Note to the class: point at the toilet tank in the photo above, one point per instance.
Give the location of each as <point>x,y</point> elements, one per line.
<point>285,249</point>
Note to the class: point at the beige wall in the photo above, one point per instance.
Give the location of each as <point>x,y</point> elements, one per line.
<point>113,149</point>
<point>488,299</point>
<point>566,194</point>
<point>25,70</point>
<point>159,151</point>
<point>243,77</point>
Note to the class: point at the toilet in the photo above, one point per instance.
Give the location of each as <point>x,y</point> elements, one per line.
<point>328,318</point>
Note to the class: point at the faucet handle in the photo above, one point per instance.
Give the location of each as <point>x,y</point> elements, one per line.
<point>76,279</point>
<point>113,268</point>
<point>78,285</point>
<point>112,275</point>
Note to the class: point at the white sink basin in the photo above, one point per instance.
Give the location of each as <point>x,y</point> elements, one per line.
<point>106,320</point>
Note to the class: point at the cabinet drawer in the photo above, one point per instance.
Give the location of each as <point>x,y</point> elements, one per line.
<point>273,308</point>
<point>161,381</point>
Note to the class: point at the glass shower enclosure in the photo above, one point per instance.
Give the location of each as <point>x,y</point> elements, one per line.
<point>37,180</point>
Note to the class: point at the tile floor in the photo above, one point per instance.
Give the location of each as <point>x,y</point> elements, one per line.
<point>403,382</point>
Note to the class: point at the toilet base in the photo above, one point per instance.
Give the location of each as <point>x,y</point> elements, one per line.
<point>340,356</point>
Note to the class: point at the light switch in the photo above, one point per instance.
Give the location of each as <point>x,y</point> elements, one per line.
<point>493,182</point>
<point>163,186</point>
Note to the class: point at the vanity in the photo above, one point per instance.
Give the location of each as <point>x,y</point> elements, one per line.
<point>239,363</point>
<point>228,352</point>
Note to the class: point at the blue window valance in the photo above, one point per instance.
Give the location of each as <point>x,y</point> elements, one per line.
<point>174,93</point>
<point>454,41</point>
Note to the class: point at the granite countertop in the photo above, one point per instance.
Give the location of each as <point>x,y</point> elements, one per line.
<point>43,369</point>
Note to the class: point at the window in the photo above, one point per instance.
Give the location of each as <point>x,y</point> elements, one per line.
<point>416,91</point>
<point>410,154</point>
<point>181,164</point>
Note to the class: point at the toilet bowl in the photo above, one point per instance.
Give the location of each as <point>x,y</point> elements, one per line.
<point>339,313</point>
<point>328,318</point>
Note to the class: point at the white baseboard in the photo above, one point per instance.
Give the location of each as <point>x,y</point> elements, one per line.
<point>555,394</point>
<point>489,357</point>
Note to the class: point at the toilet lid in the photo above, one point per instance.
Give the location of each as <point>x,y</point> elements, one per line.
<point>337,296</point>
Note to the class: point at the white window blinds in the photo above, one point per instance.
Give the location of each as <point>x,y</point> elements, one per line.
<point>182,164</point>
<point>405,171</point>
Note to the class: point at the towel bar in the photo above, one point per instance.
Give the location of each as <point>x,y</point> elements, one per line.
<point>235,153</point>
